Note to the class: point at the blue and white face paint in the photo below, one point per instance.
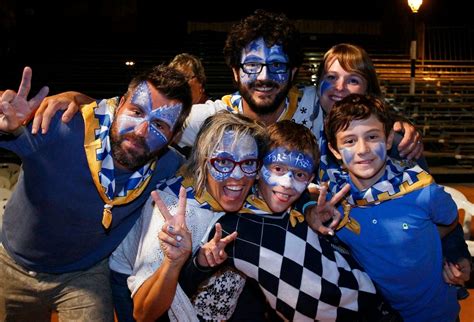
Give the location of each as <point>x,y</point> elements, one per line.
<point>155,118</point>
<point>377,148</point>
<point>257,53</point>
<point>236,149</point>
<point>324,86</point>
<point>289,169</point>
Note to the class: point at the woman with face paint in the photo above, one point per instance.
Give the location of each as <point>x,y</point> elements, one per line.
<point>217,179</point>
<point>395,211</point>
<point>303,276</point>
<point>347,69</point>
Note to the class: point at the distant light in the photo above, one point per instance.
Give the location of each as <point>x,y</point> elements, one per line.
<point>415,5</point>
<point>130,63</point>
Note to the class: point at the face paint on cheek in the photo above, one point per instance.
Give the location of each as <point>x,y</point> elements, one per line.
<point>269,178</point>
<point>347,155</point>
<point>380,149</point>
<point>279,78</point>
<point>286,181</point>
<point>155,139</point>
<point>247,78</point>
<point>300,186</point>
<point>323,87</point>
<point>218,176</point>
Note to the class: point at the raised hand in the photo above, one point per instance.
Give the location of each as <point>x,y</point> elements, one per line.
<point>325,211</point>
<point>212,253</point>
<point>15,107</point>
<point>175,238</point>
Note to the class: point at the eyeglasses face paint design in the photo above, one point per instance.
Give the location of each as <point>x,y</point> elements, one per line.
<point>233,151</point>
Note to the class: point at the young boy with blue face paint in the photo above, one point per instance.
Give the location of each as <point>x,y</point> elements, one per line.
<point>395,208</point>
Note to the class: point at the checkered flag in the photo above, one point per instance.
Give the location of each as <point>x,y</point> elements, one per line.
<point>303,275</point>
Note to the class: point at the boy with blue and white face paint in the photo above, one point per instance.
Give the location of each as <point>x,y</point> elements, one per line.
<point>289,165</point>
<point>289,169</point>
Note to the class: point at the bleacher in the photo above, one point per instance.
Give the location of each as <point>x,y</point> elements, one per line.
<point>442,108</point>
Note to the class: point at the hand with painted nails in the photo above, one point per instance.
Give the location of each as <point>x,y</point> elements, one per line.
<point>175,238</point>
<point>325,211</point>
<point>15,107</point>
<point>213,252</point>
<point>69,102</point>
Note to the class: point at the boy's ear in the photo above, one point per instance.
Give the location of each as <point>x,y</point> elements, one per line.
<point>390,138</point>
<point>335,152</point>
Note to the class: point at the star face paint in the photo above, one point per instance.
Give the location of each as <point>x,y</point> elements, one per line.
<point>151,121</point>
<point>288,169</point>
<point>229,152</point>
<point>275,62</point>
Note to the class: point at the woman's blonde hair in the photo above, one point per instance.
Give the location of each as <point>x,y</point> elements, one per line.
<point>211,134</point>
<point>191,64</point>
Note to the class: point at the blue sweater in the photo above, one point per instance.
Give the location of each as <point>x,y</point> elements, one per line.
<point>52,222</point>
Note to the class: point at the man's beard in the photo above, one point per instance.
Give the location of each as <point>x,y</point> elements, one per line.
<point>259,108</point>
<point>124,158</point>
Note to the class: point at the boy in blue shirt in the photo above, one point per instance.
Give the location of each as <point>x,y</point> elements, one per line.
<point>398,242</point>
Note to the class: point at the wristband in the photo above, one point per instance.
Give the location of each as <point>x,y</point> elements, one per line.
<point>308,204</point>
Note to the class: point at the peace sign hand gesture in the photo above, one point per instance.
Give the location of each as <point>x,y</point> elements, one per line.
<point>326,210</point>
<point>212,253</point>
<point>15,107</point>
<point>175,238</point>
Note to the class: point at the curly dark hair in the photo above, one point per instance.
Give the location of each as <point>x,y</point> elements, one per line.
<point>274,28</point>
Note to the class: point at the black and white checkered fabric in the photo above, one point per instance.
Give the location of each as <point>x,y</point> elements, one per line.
<point>302,275</point>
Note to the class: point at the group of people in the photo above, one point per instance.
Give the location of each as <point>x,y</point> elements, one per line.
<point>231,232</point>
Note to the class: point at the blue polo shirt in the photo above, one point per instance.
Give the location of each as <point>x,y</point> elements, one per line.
<point>400,249</point>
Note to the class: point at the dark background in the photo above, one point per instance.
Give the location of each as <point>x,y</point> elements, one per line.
<point>73,44</point>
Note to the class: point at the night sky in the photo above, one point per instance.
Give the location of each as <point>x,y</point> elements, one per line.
<point>41,33</point>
